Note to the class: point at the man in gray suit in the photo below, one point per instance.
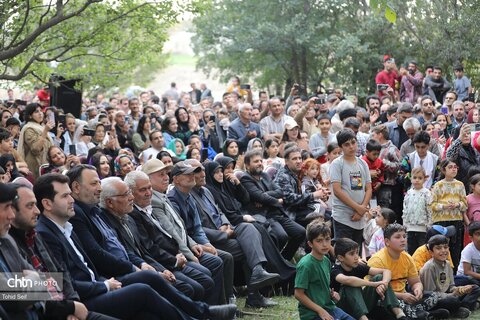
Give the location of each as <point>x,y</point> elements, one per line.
<point>171,221</point>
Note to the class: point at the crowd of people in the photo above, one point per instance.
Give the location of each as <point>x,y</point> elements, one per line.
<point>165,206</point>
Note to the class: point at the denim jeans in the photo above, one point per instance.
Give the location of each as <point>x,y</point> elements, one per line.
<point>338,314</point>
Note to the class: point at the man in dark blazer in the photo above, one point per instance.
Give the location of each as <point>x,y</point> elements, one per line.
<point>267,205</point>
<point>120,299</point>
<point>159,244</point>
<point>242,241</point>
<point>104,248</point>
<point>12,261</point>
<point>170,220</point>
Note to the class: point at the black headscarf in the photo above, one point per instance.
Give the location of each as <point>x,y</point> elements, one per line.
<point>3,163</point>
<point>228,196</point>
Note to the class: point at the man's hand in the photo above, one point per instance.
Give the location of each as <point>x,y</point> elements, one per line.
<point>251,134</point>
<point>248,218</point>
<point>181,260</point>
<point>210,249</point>
<point>81,311</point>
<point>197,250</point>
<point>113,284</point>
<point>418,292</point>
<point>146,266</point>
<point>374,174</point>
<point>169,276</point>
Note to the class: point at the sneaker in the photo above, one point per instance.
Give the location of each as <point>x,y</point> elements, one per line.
<point>438,314</point>
<point>462,313</point>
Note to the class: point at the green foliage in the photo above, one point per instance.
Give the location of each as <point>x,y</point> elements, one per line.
<point>298,41</point>
<point>337,42</point>
<point>104,43</point>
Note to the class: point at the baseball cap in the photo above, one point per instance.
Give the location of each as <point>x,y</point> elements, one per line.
<point>438,229</point>
<point>154,165</point>
<point>184,168</point>
<point>387,58</point>
<point>43,95</point>
<point>195,163</point>
<point>290,124</point>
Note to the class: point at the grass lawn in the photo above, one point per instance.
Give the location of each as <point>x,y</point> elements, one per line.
<point>287,310</point>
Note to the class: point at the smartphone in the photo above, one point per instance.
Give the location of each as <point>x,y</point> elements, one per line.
<point>320,101</point>
<point>435,134</point>
<point>51,117</point>
<point>62,120</point>
<point>108,127</point>
<point>444,109</point>
<point>73,149</point>
<point>127,119</point>
<point>245,86</point>
<point>382,86</point>
<point>212,118</point>
<point>88,132</point>
<point>153,115</point>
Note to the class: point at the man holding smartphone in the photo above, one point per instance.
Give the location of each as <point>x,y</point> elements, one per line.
<point>388,76</point>
<point>411,84</point>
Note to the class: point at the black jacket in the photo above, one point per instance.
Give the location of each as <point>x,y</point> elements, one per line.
<point>264,195</point>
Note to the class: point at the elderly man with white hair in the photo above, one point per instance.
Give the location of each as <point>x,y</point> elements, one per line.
<point>159,245</point>
<point>337,124</point>
<point>242,128</point>
<point>412,126</point>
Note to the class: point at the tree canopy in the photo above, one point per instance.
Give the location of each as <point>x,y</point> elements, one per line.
<point>278,43</point>
<point>102,42</point>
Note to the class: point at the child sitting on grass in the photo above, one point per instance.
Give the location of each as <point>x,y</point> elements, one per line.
<point>312,282</point>
<point>348,280</point>
<point>437,275</point>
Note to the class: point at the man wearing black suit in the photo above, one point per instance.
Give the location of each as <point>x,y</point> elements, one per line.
<point>109,296</point>
<point>160,245</point>
<point>267,205</point>
<point>12,261</point>
<point>171,220</point>
<point>106,251</point>
<point>32,248</point>
<point>242,241</point>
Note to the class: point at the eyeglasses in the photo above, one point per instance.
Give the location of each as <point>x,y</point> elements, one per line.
<point>128,193</point>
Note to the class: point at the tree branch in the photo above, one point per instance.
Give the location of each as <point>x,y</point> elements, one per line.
<point>19,48</point>
<point>24,22</point>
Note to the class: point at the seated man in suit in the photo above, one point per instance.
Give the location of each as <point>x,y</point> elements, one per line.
<point>12,261</point>
<point>159,244</point>
<point>267,204</point>
<point>243,241</point>
<point>32,247</point>
<point>107,253</point>
<point>184,181</point>
<point>170,220</point>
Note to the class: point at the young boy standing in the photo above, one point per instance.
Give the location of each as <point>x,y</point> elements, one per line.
<point>348,280</point>
<point>437,275</point>
<point>352,189</point>
<point>312,282</point>
<point>320,140</point>
<point>375,164</point>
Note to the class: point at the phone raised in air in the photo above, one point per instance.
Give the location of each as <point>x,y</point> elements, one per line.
<point>73,149</point>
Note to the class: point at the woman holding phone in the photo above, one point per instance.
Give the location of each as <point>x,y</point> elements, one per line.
<point>34,140</point>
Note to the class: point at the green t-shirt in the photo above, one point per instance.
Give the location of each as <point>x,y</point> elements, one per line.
<point>313,276</point>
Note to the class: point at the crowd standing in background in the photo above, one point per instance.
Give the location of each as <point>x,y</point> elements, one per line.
<point>165,205</point>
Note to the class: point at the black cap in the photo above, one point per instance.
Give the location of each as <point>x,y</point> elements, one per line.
<point>7,192</point>
<point>184,168</point>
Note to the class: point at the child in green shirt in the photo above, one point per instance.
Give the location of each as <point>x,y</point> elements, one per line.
<point>312,282</point>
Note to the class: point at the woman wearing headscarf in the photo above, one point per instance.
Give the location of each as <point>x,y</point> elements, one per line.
<point>230,195</point>
<point>34,140</point>
<point>123,164</point>
<point>7,162</point>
